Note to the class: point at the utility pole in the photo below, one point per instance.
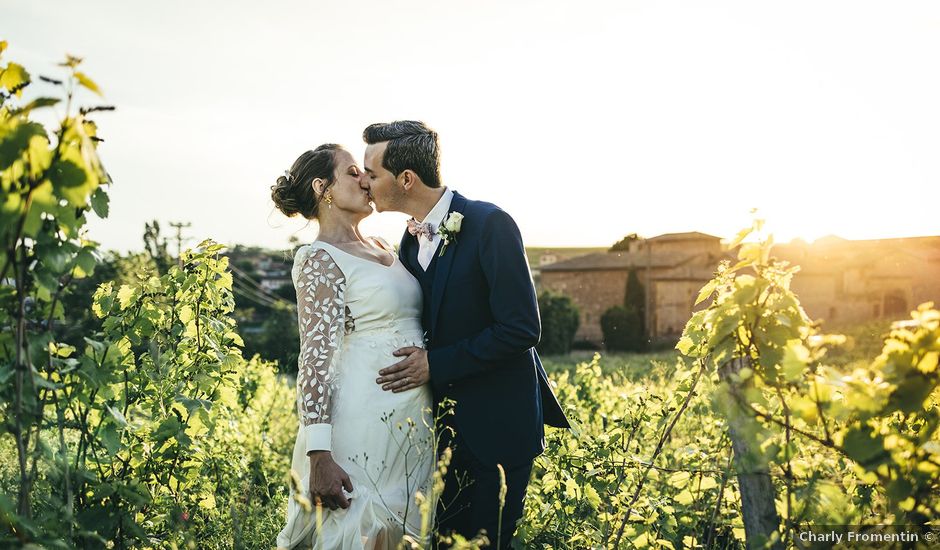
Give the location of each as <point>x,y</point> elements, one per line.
<point>179,226</point>
<point>649,290</point>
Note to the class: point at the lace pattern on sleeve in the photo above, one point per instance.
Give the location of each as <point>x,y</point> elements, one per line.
<point>322,324</point>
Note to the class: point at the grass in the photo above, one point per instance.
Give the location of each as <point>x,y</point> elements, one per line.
<point>863,343</point>
<point>863,340</point>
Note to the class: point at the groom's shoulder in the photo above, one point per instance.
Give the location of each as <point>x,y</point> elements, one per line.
<point>483,208</point>
<point>488,217</point>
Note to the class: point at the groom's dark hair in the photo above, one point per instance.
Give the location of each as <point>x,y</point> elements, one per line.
<point>412,145</point>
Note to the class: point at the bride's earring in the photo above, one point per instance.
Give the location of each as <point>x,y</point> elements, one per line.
<point>329,200</point>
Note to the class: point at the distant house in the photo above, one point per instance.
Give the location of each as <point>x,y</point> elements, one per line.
<point>853,281</point>
<point>671,267</point>
<point>271,284</point>
<point>839,280</point>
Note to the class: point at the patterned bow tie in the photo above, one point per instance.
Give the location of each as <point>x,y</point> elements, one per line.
<point>419,229</point>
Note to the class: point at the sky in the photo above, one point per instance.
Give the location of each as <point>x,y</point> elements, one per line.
<point>586,121</point>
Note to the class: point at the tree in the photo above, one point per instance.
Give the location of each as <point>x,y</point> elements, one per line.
<point>623,245</point>
<point>560,321</point>
<point>278,339</point>
<point>156,246</point>
<point>622,329</point>
<point>635,300</point>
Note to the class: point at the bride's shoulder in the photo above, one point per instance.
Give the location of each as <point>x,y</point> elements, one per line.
<point>313,250</point>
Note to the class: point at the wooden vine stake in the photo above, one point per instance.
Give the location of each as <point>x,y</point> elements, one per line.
<point>758,497</point>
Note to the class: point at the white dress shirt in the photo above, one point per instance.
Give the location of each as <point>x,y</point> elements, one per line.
<point>427,247</point>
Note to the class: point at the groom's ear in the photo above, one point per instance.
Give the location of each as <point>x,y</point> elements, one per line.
<point>407,179</point>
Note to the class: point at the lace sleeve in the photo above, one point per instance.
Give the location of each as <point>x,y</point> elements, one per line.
<point>321,309</point>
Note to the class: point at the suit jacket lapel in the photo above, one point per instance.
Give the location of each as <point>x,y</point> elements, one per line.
<point>408,253</point>
<point>444,263</point>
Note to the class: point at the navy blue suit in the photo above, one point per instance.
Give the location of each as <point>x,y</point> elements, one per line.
<point>482,321</point>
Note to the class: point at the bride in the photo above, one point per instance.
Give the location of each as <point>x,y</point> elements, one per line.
<point>361,453</point>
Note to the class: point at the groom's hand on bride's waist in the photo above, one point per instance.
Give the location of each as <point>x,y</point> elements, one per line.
<point>411,372</point>
<point>327,481</point>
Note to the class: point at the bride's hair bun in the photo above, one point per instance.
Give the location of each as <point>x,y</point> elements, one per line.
<point>293,192</point>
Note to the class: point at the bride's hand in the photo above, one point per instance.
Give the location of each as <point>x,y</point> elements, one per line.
<point>327,481</point>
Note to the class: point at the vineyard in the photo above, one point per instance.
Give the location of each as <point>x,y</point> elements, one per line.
<point>150,429</point>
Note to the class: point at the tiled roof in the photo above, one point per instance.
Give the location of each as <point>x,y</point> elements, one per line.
<point>827,256</point>
<point>688,236</point>
<point>616,261</point>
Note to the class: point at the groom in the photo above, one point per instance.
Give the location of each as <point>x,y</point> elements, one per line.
<point>482,323</point>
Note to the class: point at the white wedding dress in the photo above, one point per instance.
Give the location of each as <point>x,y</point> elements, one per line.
<point>353,313</point>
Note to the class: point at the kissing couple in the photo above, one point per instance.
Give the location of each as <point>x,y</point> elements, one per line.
<point>389,338</point>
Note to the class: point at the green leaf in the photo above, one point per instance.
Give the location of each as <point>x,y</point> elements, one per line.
<point>685,345</point>
<point>750,253</point>
<point>186,314</point>
<point>57,259</point>
<point>125,296</point>
<point>135,493</point>
<point>863,447</point>
<point>706,291</point>
<point>679,479</point>
<point>795,359</point>
<point>14,77</point>
<point>805,408</point>
<point>100,202</point>
<point>38,103</point>
<point>41,382</point>
<point>85,262</point>
<point>117,415</point>
<point>707,483</point>
<point>208,502</point>
<point>590,494</point>
<point>6,372</point>
<point>685,498</point>
<point>103,300</point>
<point>68,179</point>
<point>748,288</point>
<point>88,83</point>
<point>110,437</point>
<point>739,238</point>
<point>14,144</point>
<point>571,488</point>
<point>900,489</point>
<point>167,429</point>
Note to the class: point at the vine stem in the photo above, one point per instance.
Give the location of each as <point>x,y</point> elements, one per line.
<point>788,469</point>
<point>23,506</point>
<point>829,444</point>
<point>721,494</point>
<point>659,448</point>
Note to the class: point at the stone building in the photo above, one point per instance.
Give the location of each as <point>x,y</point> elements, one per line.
<point>839,280</point>
<point>844,281</point>
<point>671,267</point>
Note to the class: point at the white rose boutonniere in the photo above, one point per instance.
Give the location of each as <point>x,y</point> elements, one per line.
<point>449,229</point>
